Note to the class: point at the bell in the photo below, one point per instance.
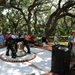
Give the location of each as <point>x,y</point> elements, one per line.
<point>20,49</point>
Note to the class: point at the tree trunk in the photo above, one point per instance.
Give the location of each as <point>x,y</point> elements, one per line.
<point>29,28</point>
<point>51,24</point>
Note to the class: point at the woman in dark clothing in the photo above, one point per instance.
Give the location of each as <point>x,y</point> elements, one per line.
<point>44,40</point>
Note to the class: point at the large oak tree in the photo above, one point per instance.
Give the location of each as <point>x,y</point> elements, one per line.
<point>33,10</point>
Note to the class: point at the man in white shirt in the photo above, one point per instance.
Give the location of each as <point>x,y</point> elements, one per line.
<point>14,36</point>
<point>56,39</point>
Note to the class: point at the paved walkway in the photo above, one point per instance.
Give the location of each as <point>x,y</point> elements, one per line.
<point>39,65</point>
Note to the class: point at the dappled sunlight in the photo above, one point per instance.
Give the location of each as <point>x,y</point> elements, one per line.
<point>39,65</point>
<point>43,60</point>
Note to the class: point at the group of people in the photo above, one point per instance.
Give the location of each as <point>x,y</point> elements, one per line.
<point>11,41</point>
<point>30,39</point>
<point>4,38</point>
<point>1,40</point>
<point>12,44</point>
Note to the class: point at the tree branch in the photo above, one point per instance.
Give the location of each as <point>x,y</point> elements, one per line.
<point>19,9</point>
<point>66,14</point>
<point>59,3</point>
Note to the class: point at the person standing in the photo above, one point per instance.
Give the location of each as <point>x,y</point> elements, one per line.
<point>32,38</point>
<point>1,40</point>
<point>70,41</point>
<point>44,40</point>
<point>73,42</point>
<point>56,39</point>
<point>6,38</point>
<point>14,36</point>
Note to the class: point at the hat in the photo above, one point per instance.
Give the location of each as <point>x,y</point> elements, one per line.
<point>72,32</point>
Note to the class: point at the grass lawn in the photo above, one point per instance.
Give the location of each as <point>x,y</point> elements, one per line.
<point>62,43</point>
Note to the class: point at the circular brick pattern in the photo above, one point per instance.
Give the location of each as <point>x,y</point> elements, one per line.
<point>17,60</point>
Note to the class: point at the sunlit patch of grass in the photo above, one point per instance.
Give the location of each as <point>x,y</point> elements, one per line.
<point>61,43</point>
